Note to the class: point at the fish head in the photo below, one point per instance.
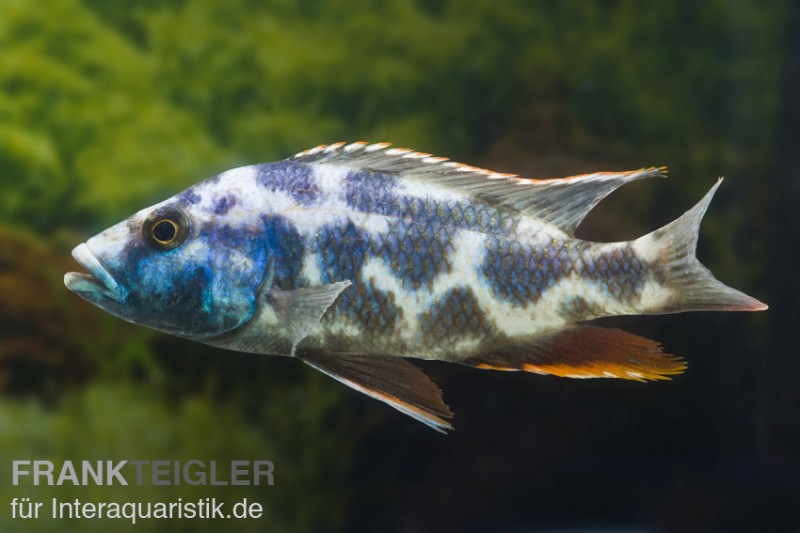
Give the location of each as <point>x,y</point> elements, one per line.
<point>176,268</point>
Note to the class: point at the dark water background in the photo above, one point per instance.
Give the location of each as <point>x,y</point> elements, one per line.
<point>107,107</point>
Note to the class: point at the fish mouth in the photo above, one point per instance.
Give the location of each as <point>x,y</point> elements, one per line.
<point>98,282</point>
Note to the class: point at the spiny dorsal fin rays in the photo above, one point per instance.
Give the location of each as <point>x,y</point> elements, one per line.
<point>562,202</point>
<point>381,157</point>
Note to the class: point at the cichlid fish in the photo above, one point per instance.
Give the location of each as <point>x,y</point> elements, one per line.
<point>351,257</point>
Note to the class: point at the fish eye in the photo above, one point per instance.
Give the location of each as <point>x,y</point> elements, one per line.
<point>166,228</point>
<point>164,231</point>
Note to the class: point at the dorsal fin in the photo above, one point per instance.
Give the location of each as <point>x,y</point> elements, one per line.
<point>561,202</point>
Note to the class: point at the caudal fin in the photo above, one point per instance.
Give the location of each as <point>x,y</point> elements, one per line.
<point>671,250</point>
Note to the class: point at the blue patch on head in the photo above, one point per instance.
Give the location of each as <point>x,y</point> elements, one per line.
<point>291,177</point>
<point>178,302</point>
<point>175,295</point>
<point>193,290</point>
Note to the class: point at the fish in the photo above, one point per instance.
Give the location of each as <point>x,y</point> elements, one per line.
<point>355,257</point>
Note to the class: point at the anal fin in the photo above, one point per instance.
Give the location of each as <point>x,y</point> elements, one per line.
<point>585,352</point>
<point>392,380</point>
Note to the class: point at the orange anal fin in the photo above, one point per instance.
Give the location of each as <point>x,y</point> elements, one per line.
<point>585,352</point>
<point>392,380</point>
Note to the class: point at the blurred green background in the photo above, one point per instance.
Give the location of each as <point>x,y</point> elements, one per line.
<point>109,106</point>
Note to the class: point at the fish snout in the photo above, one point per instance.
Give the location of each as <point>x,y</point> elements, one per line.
<point>97,282</point>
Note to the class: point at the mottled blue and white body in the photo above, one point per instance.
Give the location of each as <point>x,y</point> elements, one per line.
<point>351,256</point>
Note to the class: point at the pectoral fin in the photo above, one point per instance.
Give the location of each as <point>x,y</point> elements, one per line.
<point>585,352</point>
<point>389,379</point>
<point>300,310</point>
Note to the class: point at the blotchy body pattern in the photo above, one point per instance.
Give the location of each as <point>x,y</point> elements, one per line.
<point>434,273</point>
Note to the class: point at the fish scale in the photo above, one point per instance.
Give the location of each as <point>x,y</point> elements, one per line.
<point>456,315</point>
<point>352,257</point>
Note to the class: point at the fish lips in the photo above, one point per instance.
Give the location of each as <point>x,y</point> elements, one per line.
<point>96,285</point>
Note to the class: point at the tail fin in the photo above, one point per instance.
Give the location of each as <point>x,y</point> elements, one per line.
<point>671,250</point>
